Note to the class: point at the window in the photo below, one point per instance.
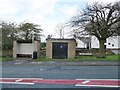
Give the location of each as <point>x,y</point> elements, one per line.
<point>112,45</point>
<point>108,43</point>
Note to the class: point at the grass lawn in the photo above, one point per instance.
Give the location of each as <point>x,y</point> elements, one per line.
<point>85,58</point>
<point>108,58</point>
<point>5,58</point>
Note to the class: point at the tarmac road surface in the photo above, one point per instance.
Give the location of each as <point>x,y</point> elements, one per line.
<point>59,76</point>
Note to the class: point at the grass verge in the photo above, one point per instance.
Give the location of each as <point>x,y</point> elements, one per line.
<point>43,58</point>
<point>107,58</point>
<point>85,58</point>
<point>5,58</point>
<point>77,58</point>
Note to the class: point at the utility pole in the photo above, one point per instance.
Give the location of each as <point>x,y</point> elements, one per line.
<point>60,33</point>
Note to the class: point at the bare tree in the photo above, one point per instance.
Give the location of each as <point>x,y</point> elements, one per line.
<point>101,21</point>
<point>60,30</point>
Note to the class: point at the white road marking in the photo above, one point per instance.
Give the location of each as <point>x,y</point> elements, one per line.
<point>17,83</point>
<point>96,85</point>
<point>85,82</point>
<point>18,80</point>
<point>88,80</point>
<point>98,79</point>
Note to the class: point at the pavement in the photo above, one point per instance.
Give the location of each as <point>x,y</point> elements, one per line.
<point>62,62</point>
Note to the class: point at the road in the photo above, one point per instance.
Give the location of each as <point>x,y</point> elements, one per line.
<point>54,73</point>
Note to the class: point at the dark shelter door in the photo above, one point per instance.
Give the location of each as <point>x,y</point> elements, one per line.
<point>59,50</point>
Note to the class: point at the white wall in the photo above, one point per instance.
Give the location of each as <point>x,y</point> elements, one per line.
<point>25,48</point>
<point>111,43</point>
<point>80,44</point>
<point>94,42</point>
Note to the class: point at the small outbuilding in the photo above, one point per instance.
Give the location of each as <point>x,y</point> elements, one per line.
<point>26,48</point>
<point>60,48</point>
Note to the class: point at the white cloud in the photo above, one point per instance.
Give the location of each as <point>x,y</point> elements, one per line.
<point>39,11</point>
<point>36,11</point>
<point>43,6</point>
<point>28,10</point>
<point>6,7</point>
<point>25,9</point>
<point>69,11</point>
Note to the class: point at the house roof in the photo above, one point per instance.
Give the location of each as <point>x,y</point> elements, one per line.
<point>61,39</point>
<point>24,41</point>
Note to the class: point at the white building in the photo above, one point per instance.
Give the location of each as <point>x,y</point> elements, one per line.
<point>111,43</point>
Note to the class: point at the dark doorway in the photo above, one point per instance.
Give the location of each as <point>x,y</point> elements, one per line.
<point>59,50</point>
<point>88,45</point>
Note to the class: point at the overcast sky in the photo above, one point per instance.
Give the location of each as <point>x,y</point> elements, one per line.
<point>47,13</point>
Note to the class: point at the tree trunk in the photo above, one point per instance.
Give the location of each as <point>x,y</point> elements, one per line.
<point>102,48</point>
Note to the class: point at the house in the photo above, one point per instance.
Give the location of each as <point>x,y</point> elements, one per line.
<point>112,43</point>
